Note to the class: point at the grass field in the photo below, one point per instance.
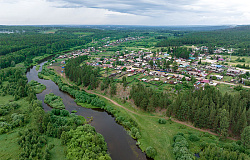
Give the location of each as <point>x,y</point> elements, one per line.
<point>227,88</point>
<point>6,99</point>
<point>58,152</point>
<point>9,149</point>
<point>234,58</point>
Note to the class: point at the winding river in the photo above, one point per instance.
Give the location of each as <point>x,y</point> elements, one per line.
<point>120,145</point>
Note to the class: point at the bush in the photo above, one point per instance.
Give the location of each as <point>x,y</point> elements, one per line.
<point>151,152</point>
<point>54,101</point>
<point>193,138</point>
<point>162,121</point>
<point>64,113</point>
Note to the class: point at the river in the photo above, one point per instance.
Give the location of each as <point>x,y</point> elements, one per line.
<point>120,145</point>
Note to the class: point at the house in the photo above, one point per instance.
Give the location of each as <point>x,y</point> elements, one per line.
<point>204,81</point>
<point>137,65</point>
<point>193,73</point>
<point>217,76</point>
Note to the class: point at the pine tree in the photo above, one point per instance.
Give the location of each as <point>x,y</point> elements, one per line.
<point>245,137</point>
<point>224,124</point>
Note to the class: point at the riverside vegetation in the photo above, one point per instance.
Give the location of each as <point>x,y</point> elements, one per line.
<point>23,116</point>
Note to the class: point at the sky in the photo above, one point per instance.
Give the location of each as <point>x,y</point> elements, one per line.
<point>125,12</point>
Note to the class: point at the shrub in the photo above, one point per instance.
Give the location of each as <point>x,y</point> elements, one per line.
<point>193,138</point>
<point>162,121</point>
<point>64,113</point>
<point>151,152</point>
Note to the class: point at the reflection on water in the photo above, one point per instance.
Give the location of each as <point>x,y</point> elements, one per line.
<point>120,145</point>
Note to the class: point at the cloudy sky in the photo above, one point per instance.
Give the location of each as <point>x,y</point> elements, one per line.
<point>124,12</point>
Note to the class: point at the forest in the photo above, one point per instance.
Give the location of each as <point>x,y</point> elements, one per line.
<point>237,37</point>
<point>227,114</point>
<point>84,74</point>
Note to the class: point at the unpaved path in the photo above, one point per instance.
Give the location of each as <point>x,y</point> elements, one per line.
<point>233,84</point>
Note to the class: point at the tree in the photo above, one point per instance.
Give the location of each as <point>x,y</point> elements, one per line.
<point>124,81</point>
<point>245,137</point>
<point>175,66</point>
<point>113,89</point>
<point>199,62</point>
<point>107,71</point>
<point>151,152</point>
<point>151,63</point>
<point>21,91</point>
<point>224,123</point>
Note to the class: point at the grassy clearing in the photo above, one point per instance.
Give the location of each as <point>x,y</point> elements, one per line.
<point>227,88</point>
<point>247,59</point>
<point>58,151</point>
<point>9,149</point>
<point>6,99</point>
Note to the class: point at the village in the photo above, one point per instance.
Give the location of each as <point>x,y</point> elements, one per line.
<point>150,67</point>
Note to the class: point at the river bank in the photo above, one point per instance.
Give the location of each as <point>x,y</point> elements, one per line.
<point>120,144</point>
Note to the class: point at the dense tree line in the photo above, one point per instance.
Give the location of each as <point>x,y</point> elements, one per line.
<point>82,74</point>
<point>231,38</point>
<point>147,98</point>
<point>225,114</point>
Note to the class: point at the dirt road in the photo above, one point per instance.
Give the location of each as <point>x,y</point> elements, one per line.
<point>230,84</point>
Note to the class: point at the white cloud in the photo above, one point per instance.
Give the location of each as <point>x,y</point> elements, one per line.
<point>129,12</point>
